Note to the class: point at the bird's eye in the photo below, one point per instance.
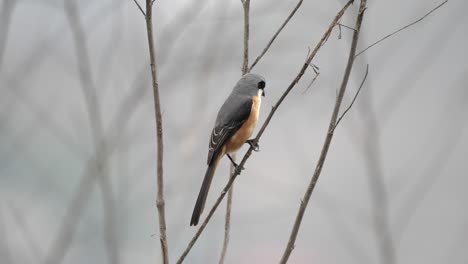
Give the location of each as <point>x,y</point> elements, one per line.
<point>261,85</point>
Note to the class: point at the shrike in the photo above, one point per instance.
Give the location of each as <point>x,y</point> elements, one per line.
<point>234,125</point>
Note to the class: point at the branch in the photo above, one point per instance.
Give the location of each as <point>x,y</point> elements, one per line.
<point>139,7</point>
<point>262,129</point>
<point>227,223</point>
<point>159,135</point>
<point>245,64</point>
<point>403,28</point>
<point>6,13</point>
<point>318,169</point>
<point>354,99</point>
<point>276,35</point>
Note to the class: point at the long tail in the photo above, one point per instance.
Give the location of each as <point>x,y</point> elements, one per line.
<point>200,204</point>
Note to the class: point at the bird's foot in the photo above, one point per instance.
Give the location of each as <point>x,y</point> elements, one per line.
<point>254,144</point>
<point>238,169</point>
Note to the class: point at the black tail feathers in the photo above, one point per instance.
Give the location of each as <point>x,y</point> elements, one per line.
<point>200,204</point>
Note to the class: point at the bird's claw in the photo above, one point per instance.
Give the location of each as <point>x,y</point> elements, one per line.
<point>253,144</point>
<point>238,169</point>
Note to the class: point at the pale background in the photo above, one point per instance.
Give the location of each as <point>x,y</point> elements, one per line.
<point>397,164</point>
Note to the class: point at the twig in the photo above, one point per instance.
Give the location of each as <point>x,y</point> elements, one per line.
<point>403,28</point>
<point>159,134</point>
<point>317,73</point>
<point>245,65</point>
<point>276,35</point>
<point>318,169</point>
<point>262,129</point>
<point>227,223</point>
<point>139,7</point>
<point>354,99</point>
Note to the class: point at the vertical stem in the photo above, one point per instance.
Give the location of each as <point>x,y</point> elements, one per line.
<point>331,127</point>
<point>245,64</point>
<point>245,68</point>
<point>159,134</point>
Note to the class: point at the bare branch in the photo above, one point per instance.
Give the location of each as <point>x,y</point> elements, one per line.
<point>245,65</point>
<point>262,129</point>
<point>227,221</point>
<point>159,134</point>
<point>139,7</point>
<point>323,154</point>
<point>403,28</point>
<point>276,35</point>
<point>354,99</point>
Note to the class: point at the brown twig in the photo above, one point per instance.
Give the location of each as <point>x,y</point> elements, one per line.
<point>159,134</point>
<point>323,154</point>
<point>245,65</point>
<point>354,98</point>
<point>403,28</point>
<point>262,129</point>
<point>275,35</point>
<point>139,7</point>
<point>227,221</point>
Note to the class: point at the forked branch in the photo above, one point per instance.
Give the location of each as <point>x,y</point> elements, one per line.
<point>318,169</point>
<point>264,126</point>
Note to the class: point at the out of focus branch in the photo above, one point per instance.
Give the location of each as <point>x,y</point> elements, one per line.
<point>328,138</point>
<point>22,224</point>
<point>275,35</point>
<point>264,126</point>
<point>98,166</point>
<point>159,134</point>
<point>403,28</point>
<point>5,251</point>
<point>5,18</point>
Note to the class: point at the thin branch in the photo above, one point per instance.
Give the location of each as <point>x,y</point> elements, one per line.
<point>276,35</point>
<point>323,154</point>
<point>227,223</point>
<point>354,99</point>
<point>159,134</point>
<point>262,129</point>
<point>317,73</point>
<point>139,7</point>
<point>403,28</point>
<point>245,65</point>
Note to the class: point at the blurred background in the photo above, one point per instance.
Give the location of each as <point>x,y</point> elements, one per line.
<point>77,133</point>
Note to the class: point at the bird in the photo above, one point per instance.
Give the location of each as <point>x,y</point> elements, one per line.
<point>235,123</point>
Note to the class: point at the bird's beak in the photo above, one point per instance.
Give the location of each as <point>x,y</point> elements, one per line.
<point>263,93</point>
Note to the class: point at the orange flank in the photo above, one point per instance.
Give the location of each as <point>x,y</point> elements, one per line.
<point>246,130</point>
